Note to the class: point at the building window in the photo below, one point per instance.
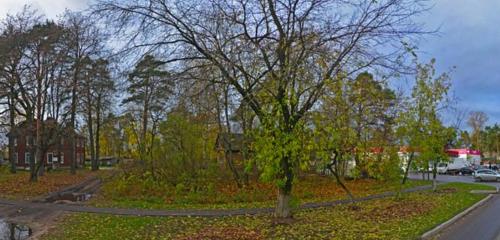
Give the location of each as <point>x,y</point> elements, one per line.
<point>61,157</point>
<point>16,159</point>
<point>15,142</point>
<point>29,141</point>
<point>50,158</point>
<point>27,157</point>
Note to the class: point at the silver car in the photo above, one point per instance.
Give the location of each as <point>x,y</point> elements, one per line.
<point>486,175</point>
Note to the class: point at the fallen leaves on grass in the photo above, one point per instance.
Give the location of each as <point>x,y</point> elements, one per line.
<point>224,233</point>
<point>446,190</point>
<point>18,185</point>
<point>120,192</point>
<point>399,210</point>
<point>409,217</point>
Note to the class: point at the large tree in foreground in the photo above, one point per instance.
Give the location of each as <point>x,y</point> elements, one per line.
<point>278,55</point>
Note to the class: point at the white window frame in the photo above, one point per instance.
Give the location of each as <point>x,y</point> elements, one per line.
<point>27,156</point>
<point>50,160</point>
<point>28,140</point>
<point>61,158</point>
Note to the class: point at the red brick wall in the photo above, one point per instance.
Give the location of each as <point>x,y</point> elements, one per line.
<point>65,149</point>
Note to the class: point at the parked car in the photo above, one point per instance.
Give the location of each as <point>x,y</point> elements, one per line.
<point>466,171</point>
<point>486,175</point>
<point>479,167</point>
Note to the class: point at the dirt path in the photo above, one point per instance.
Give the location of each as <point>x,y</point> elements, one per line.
<point>41,217</point>
<point>39,220</point>
<point>54,208</point>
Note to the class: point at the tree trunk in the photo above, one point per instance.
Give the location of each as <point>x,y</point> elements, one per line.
<point>229,152</point>
<point>405,176</point>
<point>150,150</point>
<point>39,129</point>
<point>95,162</point>
<point>283,208</point>
<point>90,126</point>
<point>73,115</point>
<point>144,124</point>
<point>339,181</point>
<point>434,176</point>
<point>32,163</point>
<point>12,135</point>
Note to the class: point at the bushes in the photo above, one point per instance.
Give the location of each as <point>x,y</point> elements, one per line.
<point>4,169</point>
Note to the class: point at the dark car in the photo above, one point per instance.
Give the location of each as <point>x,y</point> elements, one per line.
<point>466,171</point>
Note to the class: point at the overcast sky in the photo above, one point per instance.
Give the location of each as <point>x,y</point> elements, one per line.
<point>469,38</point>
<point>51,8</point>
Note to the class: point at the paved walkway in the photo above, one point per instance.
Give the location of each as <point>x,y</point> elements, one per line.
<point>193,213</point>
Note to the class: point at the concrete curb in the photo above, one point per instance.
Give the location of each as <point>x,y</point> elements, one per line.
<point>437,229</point>
<point>484,191</point>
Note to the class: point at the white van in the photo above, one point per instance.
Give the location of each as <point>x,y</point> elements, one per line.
<point>453,166</point>
<point>442,168</point>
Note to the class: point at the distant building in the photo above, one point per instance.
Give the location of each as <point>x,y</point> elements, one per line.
<point>106,161</point>
<point>56,144</point>
<point>234,144</point>
<point>473,157</point>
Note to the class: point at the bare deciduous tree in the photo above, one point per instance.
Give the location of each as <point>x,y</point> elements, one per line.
<point>476,121</point>
<point>286,50</point>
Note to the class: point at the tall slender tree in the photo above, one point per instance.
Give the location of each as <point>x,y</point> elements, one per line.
<point>84,40</point>
<point>149,88</point>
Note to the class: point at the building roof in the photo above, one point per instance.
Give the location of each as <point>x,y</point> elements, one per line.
<point>49,122</point>
<point>463,151</point>
<point>234,142</point>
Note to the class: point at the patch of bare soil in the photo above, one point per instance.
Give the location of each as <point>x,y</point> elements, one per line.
<point>396,210</point>
<point>354,208</point>
<point>224,233</point>
<point>42,227</point>
<point>446,190</point>
<point>283,221</point>
<point>38,220</point>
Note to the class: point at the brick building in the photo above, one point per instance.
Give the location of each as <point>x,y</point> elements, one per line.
<point>56,144</point>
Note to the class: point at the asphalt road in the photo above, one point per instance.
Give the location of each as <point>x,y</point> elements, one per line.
<point>454,178</point>
<point>481,224</point>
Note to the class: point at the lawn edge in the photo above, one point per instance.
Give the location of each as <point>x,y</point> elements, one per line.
<point>431,233</point>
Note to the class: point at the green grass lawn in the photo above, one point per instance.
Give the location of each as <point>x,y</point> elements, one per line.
<point>225,194</point>
<point>404,218</point>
